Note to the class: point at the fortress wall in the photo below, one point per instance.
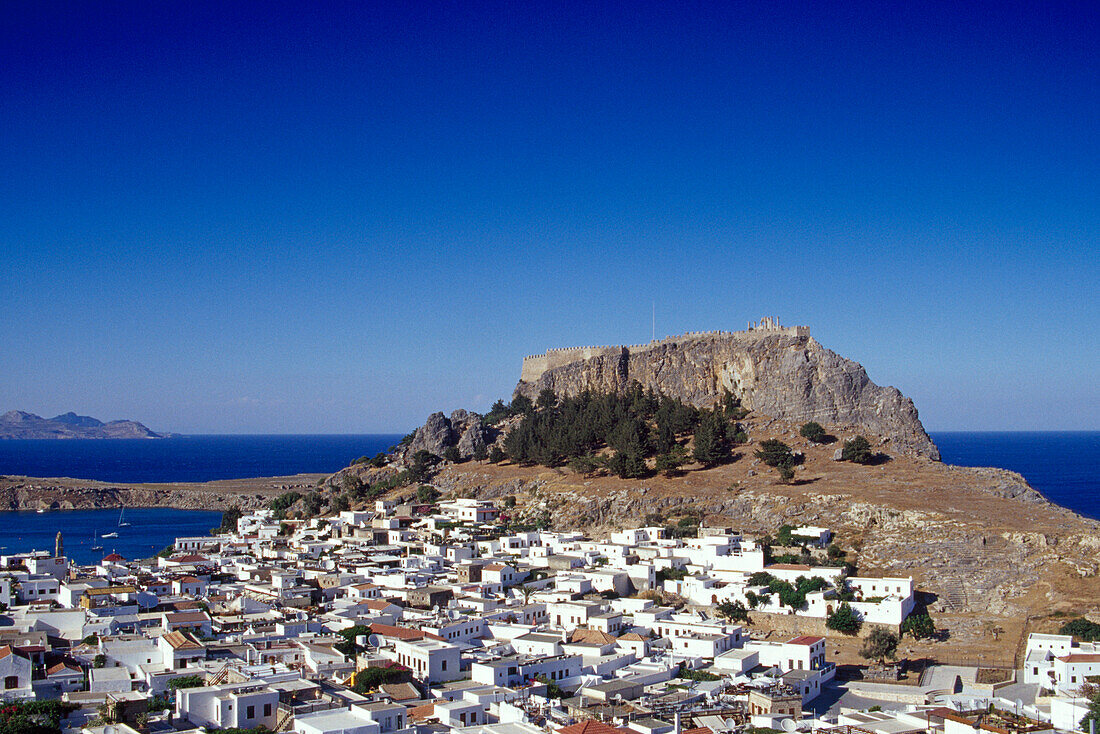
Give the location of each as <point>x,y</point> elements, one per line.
<point>535,365</point>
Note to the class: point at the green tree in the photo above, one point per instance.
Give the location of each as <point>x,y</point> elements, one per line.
<point>99,660</point>
<point>348,646</point>
<point>426,494</point>
<point>553,690</point>
<point>670,462</point>
<point>1082,629</point>
<point>844,619</point>
<point>521,404</point>
<point>423,462</point>
<point>546,399</point>
<point>229,521</point>
<point>858,451</point>
<point>774,452</point>
<point>733,611</point>
<point>368,679</point>
<point>711,448</point>
<point>497,455</point>
<point>627,465</point>
<point>1092,692</point>
<point>813,431</point>
<point>481,453</point>
<point>496,414</point>
<point>919,626</point>
<point>786,473</point>
<point>451,454</point>
<point>879,645</point>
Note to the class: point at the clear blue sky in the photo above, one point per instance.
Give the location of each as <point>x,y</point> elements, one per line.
<point>314,217</point>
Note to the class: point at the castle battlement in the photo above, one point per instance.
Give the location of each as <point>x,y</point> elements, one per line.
<point>535,365</point>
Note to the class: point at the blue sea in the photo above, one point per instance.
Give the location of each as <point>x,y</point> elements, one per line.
<point>188,458</point>
<point>1060,465</point>
<point>149,531</point>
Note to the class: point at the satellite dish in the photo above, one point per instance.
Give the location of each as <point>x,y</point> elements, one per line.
<point>731,724</point>
<point>374,641</point>
<point>788,725</point>
<point>1019,704</point>
<point>435,609</point>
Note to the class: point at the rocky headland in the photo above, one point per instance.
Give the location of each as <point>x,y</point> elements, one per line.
<point>18,424</point>
<point>31,493</point>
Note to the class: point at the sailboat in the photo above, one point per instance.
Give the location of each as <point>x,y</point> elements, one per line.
<point>95,547</point>
<point>122,524</point>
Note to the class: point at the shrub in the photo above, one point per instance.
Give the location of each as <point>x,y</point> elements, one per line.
<point>451,454</point>
<point>858,451</point>
<point>186,681</point>
<point>813,432</point>
<point>845,620</point>
<point>918,626</point>
<point>774,452</point>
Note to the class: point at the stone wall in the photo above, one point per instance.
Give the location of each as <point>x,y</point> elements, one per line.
<point>794,625</point>
<point>536,365</point>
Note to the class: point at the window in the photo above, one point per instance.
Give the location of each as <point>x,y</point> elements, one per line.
<point>12,681</point>
<point>250,712</point>
<point>444,665</point>
<point>267,709</point>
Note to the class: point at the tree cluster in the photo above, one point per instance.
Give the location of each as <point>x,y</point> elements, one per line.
<point>1082,629</point>
<point>634,425</point>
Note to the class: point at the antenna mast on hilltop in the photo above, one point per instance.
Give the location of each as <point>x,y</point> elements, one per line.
<point>653,337</point>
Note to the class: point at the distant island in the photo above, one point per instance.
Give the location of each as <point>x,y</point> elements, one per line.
<point>19,424</point>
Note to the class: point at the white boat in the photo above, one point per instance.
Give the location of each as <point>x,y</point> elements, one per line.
<point>122,524</point>
<point>41,510</point>
<point>109,535</point>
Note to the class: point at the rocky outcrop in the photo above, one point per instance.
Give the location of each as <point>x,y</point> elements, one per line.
<point>463,430</point>
<point>20,424</point>
<point>788,377</point>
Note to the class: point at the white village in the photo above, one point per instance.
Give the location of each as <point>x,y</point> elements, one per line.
<point>440,617</point>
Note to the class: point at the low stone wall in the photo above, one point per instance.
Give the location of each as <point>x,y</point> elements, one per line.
<point>795,625</point>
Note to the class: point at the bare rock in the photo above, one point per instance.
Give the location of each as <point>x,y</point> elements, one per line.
<point>792,378</point>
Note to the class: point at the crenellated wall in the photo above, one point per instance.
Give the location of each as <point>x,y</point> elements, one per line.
<point>535,365</point>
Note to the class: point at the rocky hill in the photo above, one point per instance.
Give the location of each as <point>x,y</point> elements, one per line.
<point>782,373</point>
<point>20,424</point>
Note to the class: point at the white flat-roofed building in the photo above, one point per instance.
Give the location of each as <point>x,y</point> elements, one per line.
<point>335,721</point>
<point>431,661</point>
<point>229,706</point>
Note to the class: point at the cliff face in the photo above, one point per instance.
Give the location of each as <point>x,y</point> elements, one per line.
<point>792,378</point>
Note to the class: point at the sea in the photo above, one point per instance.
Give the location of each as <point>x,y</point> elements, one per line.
<point>1061,465</point>
<point>176,459</point>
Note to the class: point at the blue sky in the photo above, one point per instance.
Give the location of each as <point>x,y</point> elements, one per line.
<point>339,217</point>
